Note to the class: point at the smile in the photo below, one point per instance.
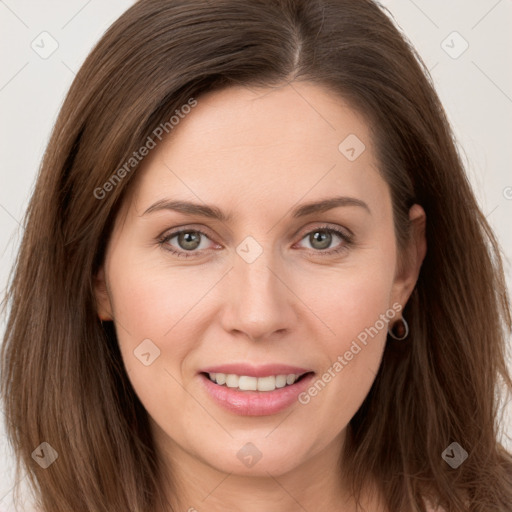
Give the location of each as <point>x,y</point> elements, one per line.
<point>251,395</point>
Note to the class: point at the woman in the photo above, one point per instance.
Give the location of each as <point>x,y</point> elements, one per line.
<point>254,276</point>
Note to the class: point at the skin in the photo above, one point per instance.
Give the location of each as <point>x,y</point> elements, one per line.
<point>256,154</point>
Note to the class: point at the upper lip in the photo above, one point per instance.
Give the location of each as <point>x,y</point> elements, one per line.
<point>264,370</point>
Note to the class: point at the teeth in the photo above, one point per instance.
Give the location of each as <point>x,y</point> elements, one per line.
<point>219,377</point>
<point>232,381</point>
<point>266,383</point>
<point>246,383</point>
<point>280,381</point>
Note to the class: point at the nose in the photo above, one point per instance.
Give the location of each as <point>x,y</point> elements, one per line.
<point>260,303</point>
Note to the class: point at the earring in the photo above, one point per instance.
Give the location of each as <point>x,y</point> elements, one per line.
<point>402,330</point>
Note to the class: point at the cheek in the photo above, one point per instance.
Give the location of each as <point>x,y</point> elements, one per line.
<point>150,305</point>
<point>147,304</point>
<point>359,321</point>
<point>358,312</point>
<point>359,306</point>
<point>355,298</point>
<point>150,298</point>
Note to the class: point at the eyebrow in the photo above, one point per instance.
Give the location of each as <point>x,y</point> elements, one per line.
<point>213,212</point>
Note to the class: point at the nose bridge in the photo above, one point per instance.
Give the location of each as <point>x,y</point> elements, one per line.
<point>260,302</point>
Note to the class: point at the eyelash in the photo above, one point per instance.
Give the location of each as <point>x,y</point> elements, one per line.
<point>163,241</point>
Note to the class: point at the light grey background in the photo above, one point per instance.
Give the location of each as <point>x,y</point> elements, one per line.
<point>475,87</point>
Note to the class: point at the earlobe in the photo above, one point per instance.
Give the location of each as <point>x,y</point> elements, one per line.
<point>103,305</point>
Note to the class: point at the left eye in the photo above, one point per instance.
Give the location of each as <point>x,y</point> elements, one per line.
<point>320,239</point>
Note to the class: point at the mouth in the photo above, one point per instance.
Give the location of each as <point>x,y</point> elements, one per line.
<point>270,392</point>
<point>249,383</point>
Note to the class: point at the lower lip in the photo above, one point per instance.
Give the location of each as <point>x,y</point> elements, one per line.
<point>255,403</point>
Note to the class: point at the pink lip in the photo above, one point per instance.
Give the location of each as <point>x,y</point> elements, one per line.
<point>255,403</point>
<point>265,370</point>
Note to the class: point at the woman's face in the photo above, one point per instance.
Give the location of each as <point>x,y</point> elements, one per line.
<point>276,287</point>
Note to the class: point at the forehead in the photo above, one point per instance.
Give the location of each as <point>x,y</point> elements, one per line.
<point>261,147</point>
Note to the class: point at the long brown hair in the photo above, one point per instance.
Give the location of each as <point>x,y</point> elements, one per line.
<point>63,381</point>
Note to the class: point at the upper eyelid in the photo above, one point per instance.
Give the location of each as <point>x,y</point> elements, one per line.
<point>172,232</point>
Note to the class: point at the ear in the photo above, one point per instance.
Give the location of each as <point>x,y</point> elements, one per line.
<point>103,304</point>
<point>410,261</point>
